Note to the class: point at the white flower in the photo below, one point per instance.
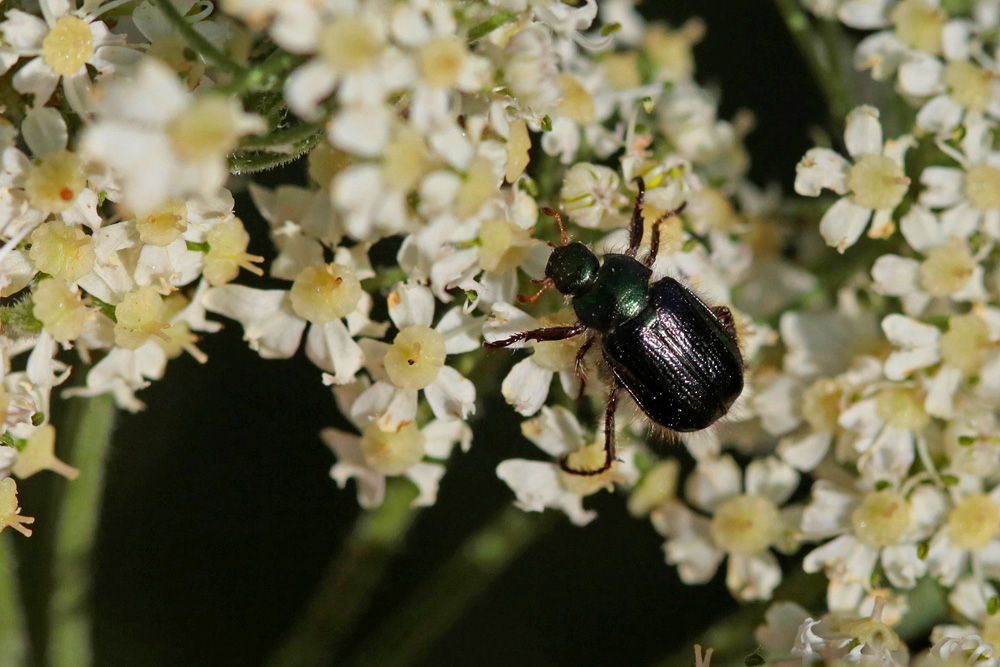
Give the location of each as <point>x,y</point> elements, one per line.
<point>61,47</point>
<point>376,454</point>
<point>875,183</point>
<point>416,361</point>
<point>874,527</point>
<point>544,484</point>
<point>745,522</point>
<point>327,296</point>
<point>162,142</point>
<point>526,387</point>
<point>950,268</point>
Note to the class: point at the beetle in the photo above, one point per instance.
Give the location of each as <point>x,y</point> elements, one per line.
<point>677,357</point>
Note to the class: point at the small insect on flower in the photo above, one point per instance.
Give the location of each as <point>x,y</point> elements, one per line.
<point>676,356</point>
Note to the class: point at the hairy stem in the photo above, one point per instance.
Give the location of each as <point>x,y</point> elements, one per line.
<point>344,592</point>
<point>70,617</point>
<point>441,598</point>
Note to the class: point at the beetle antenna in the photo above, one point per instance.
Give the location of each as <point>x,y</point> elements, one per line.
<point>547,283</point>
<point>562,230</point>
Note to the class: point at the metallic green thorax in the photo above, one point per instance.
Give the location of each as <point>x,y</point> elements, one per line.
<point>603,297</point>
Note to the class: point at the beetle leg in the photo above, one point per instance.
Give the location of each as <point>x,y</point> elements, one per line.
<point>550,333</point>
<point>578,362</point>
<point>654,242</point>
<point>609,438</point>
<point>725,317</point>
<point>635,229</point>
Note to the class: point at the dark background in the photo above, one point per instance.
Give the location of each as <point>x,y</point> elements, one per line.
<point>219,513</point>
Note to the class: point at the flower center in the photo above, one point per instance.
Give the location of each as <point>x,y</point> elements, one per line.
<point>227,252</point>
<point>974,522</point>
<point>966,343</point>
<point>590,457</point>
<point>348,44</point>
<point>947,268</point>
<point>325,293</point>
<point>415,357</point>
<point>577,104</point>
<point>441,62</point>
<point>502,245</point>
<point>557,355</point>
<point>982,186</point>
<point>902,408</point>
<point>970,85</point>
<point>392,452</point>
<point>746,524</point>
<point>62,251</point>
<point>207,128</point>
<point>141,314</point>
<point>60,309</point>
<point>878,182</point>
<point>54,182</point>
<point>68,46</point>
<point>919,25</point>
<point>882,518</point>
<point>821,404</point>
<point>164,225</point>
<point>405,160</point>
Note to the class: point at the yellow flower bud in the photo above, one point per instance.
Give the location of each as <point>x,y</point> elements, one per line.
<point>141,314</point>
<point>62,251</point>
<point>60,309</point>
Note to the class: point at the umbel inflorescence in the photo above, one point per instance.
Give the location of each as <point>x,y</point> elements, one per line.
<point>868,427</point>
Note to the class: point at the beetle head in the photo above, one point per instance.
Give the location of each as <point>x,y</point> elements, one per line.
<point>572,268</point>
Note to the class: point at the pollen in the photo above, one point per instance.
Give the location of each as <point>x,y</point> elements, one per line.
<point>68,46</point>
<point>60,309</point>
<point>919,24</point>
<point>974,522</point>
<point>325,293</point>
<point>348,44</point>
<point>10,511</point>
<point>966,343</point>
<point>502,245</point>
<point>518,147</point>
<point>557,355</point>
<point>162,226</point>
<point>227,253</point>
<point>577,104</point>
<point>140,315</point>
<point>878,182</point>
<point>746,524</point>
<point>54,182</point>
<point>441,62</point>
<point>206,129</point>
<point>821,403</point>
<point>902,408</point>
<point>590,457</point>
<point>971,86</point>
<point>947,268</point>
<point>415,357</point>
<point>982,187</point>
<point>392,452</point>
<point>62,251</point>
<point>882,518</point>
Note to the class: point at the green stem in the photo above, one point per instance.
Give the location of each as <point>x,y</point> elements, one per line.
<point>288,136</point>
<point>70,616</point>
<point>441,599</point>
<point>13,634</point>
<point>198,42</point>
<point>267,76</point>
<point>822,55</point>
<point>344,592</point>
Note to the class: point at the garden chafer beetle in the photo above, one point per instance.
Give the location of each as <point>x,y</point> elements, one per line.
<point>677,357</point>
